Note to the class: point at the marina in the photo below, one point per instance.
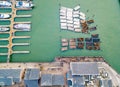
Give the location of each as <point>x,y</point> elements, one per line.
<point>73,19</point>
<point>92,43</point>
<point>43,20</point>
<point>14,26</point>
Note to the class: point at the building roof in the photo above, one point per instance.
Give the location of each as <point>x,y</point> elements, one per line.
<point>69,75</point>
<point>57,80</point>
<point>32,74</point>
<point>14,73</point>
<point>31,83</point>
<point>105,83</point>
<point>78,81</point>
<point>5,81</point>
<point>84,68</point>
<point>46,80</point>
<point>52,80</point>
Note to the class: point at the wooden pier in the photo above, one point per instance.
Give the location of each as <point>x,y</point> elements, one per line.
<point>12,31</point>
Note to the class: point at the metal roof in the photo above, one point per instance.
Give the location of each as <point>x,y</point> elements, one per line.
<point>58,80</point>
<point>52,80</point>
<point>6,81</point>
<point>84,68</point>
<point>31,83</point>
<point>105,83</point>
<point>46,80</point>
<point>15,73</point>
<point>32,74</point>
<point>78,81</point>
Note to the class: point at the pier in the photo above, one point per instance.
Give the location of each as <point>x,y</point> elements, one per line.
<point>12,31</point>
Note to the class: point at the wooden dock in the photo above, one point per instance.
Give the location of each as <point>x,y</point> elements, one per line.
<point>12,31</point>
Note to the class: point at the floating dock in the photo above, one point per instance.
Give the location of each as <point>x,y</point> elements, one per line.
<point>12,31</point>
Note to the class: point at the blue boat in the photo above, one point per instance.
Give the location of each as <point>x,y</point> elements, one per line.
<point>24,4</point>
<point>5,4</point>
<point>4,16</point>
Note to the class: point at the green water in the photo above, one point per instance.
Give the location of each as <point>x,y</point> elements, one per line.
<point>46,34</point>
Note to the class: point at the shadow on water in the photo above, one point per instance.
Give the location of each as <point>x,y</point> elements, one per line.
<point>119,2</point>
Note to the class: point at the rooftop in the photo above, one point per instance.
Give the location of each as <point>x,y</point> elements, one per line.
<point>5,81</point>
<point>84,68</point>
<point>32,74</point>
<point>50,80</point>
<point>105,83</point>
<point>15,73</point>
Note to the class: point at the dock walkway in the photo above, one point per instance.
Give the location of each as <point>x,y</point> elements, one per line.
<point>12,31</point>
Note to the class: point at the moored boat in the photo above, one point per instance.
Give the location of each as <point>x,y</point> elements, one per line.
<point>3,29</point>
<point>64,48</point>
<point>4,16</point>
<point>5,4</point>
<point>22,26</point>
<point>24,4</point>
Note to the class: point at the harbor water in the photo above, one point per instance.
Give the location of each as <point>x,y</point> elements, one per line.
<point>46,34</point>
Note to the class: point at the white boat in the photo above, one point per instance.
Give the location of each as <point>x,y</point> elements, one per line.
<point>70,25</point>
<point>5,4</point>
<point>82,18</point>
<point>78,30</point>
<point>64,48</point>
<point>71,28</point>
<point>82,14</point>
<point>76,12</point>
<point>76,26</point>
<point>24,27</point>
<point>70,18</point>
<point>77,7</point>
<point>62,14</point>
<point>63,24</point>
<point>63,11</point>
<point>77,23</point>
<point>3,29</point>
<point>69,21</point>
<point>64,27</point>
<point>63,21</point>
<point>64,40</point>
<point>4,16</point>
<point>64,43</point>
<point>76,16</point>
<point>24,4</point>
<point>62,17</point>
<point>76,20</point>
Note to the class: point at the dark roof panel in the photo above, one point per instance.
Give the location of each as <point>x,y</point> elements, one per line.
<point>32,74</point>
<point>46,80</point>
<point>84,68</point>
<point>58,80</point>
<point>15,73</point>
<point>5,81</point>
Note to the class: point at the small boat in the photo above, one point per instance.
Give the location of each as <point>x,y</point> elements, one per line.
<point>71,28</point>
<point>78,30</point>
<point>24,27</point>
<point>3,29</point>
<point>5,4</point>
<point>4,16</point>
<point>24,4</point>
<point>64,40</point>
<point>82,14</point>
<point>64,43</point>
<point>72,46</point>
<point>64,48</point>
<point>92,28</point>
<point>77,7</point>
<point>90,21</point>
